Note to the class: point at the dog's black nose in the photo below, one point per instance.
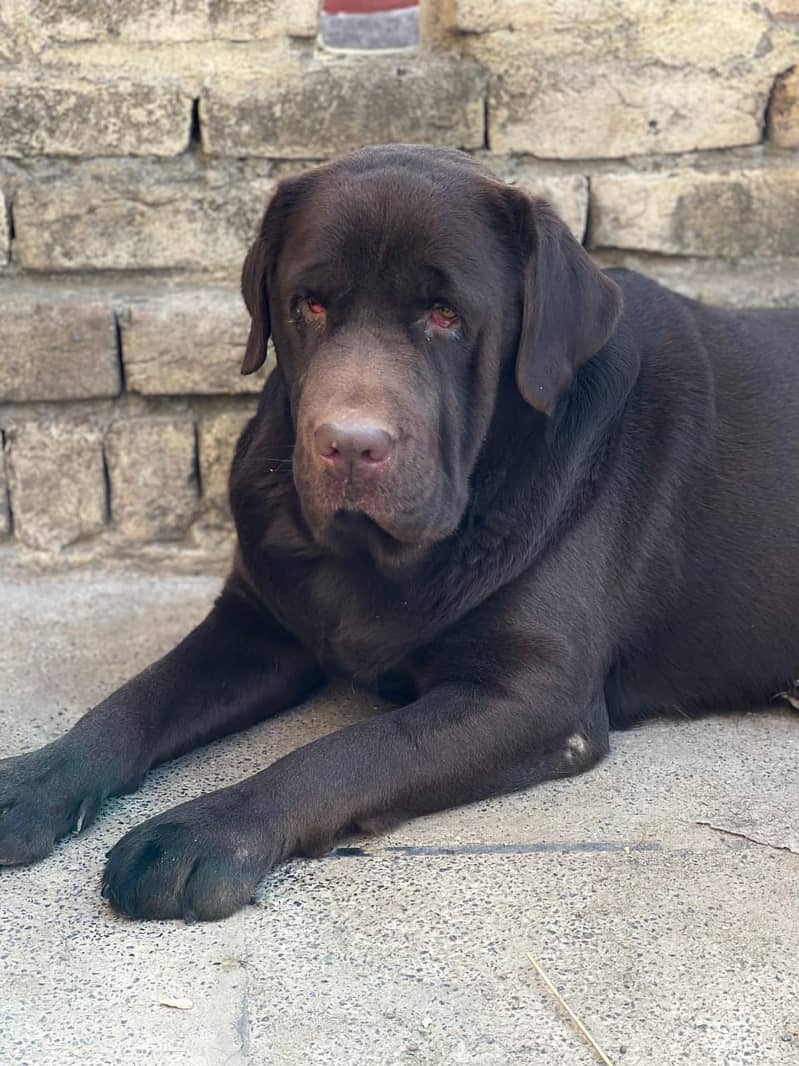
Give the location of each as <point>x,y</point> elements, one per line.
<point>350,448</point>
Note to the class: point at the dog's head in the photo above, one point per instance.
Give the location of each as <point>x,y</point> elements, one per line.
<point>398,283</point>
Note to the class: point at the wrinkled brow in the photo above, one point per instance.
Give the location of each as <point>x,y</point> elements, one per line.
<point>321,278</point>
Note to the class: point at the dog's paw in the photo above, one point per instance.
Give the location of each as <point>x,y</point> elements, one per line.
<point>43,796</point>
<point>194,862</point>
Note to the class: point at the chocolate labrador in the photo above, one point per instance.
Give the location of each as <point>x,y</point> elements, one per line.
<point>526,499</point>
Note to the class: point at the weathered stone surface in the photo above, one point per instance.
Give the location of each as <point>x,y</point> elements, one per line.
<point>738,283</point>
<point>603,79</point>
<point>568,193</point>
<point>9,35</point>
<point>741,213</point>
<point>46,22</point>
<point>218,435</point>
<point>68,116</point>
<point>246,20</point>
<point>134,21</point>
<point>187,341</point>
<point>601,111</point>
<point>55,473</point>
<point>5,234</point>
<point>783,122</point>
<point>56,344</point>
<point>304,106</point>
<point>635,30</point>
<point>121,215</point>
<point>151,465</point>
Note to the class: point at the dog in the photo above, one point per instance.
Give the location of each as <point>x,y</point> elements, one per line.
<point>525,499</point>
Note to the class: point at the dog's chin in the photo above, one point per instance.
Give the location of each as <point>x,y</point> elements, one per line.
<point>392,546</point>
<point>393,543</point>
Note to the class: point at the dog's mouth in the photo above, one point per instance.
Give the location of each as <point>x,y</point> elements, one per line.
<point>352,533</point>
<point>353,526</point>
<point>342,512</point>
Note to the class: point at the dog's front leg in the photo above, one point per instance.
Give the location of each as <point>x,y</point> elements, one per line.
<point>237,667</point>
<point>456,743</point>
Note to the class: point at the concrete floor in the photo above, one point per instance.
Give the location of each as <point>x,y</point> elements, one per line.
<point>673,942</point>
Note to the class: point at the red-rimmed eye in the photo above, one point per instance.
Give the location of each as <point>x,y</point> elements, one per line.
<point>315,307</point>
<point>443,317</point>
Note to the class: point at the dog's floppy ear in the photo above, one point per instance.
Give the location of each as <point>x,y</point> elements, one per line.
<point>259,265</point>
<point>570,307</point>
<point>256,297</point>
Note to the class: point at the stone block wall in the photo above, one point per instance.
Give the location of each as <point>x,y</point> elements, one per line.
<point>139,142</point>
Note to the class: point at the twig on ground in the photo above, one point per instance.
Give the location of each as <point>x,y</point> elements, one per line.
<point>752,840</point>
<point>595,1047</point>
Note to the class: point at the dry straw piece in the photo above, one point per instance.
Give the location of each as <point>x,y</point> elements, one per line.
<point>176,1004</point>
<point>596,1048</point>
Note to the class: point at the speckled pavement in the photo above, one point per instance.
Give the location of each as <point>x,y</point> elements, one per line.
<point>673,941</point>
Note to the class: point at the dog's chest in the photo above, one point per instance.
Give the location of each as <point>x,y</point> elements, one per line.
<point>362,633</point>
<point>355,624</point>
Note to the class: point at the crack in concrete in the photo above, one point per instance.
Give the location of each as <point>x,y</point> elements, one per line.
<point>243,1025</point>
<point>240,975</point>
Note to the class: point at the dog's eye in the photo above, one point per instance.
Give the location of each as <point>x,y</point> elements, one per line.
<point>443,316</point>
<point>310,310</point>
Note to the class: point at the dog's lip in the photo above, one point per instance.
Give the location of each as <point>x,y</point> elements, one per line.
<point>328,505</point>
<point>360,519</point>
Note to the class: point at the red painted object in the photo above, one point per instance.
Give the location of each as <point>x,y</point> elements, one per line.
<point>364,7</point>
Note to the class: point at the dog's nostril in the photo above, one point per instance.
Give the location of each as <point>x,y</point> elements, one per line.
<point>347,444</point>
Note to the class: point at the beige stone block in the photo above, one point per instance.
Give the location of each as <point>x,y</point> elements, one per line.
<point>305,106</point>
<point>218,435</point>
<point>187,341</point>
<point>131,21</point>
<point>783,119</point>
<point>55,474</point>
<point>56,344</point>
<point>741,213</point>
<point>738,283</point>
<point>604,79</point>
<point>603,110</point>
<point>246,20</point>
<point>151,466</point>
<point>129,215</point>
<point>9,34</point>
<point>696,32</point>
<point>5,232</point>
<point>567,193</point>
<point>47,114</point>
<point>45,23</point>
